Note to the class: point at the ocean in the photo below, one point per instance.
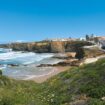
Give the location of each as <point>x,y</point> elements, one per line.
<point>26,62</point>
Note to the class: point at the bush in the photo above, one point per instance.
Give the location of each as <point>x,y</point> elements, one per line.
<point>94,101</point>
<point>6,101</point>
<point>0,72</point>
<point>80,53</point>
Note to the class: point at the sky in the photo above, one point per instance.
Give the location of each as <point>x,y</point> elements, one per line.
<point>34,20</point>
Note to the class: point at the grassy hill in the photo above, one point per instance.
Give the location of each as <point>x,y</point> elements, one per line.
<point>78,86</point>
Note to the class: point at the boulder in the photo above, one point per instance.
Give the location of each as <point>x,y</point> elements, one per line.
<point>13,65</point>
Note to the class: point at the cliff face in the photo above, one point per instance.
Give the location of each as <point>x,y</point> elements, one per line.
<point>57,46</point>
<point>47,47</point>
<point>40,47</point>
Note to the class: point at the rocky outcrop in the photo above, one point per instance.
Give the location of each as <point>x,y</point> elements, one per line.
<point>68,63</point>
<point>51,47</point>
<point>38,47</point>
<point>71,62</point>
<point>34,47</point>
<point>57,46</point>
<point>66,55</point>
<point>93,52</point>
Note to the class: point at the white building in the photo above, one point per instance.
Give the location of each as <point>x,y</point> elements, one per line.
<point>82,39</point>
<point>61,39</point>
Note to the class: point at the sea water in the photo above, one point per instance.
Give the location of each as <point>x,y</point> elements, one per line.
<point>27,64</point>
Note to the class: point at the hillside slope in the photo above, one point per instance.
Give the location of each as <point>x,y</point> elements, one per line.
<point>80,86</point>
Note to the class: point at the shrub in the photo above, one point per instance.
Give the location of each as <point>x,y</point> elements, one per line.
<point>0,72</point>
<point>6,101</point>
<point>95,101</point>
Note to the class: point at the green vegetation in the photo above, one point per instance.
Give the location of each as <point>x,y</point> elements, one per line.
<point>0,72</point>
<point>84,83</point>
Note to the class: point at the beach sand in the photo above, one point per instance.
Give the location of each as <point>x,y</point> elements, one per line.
<point>56,70</point>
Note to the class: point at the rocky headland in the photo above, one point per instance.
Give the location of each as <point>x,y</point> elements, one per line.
<point>73,53</point>
<point>47,46</point>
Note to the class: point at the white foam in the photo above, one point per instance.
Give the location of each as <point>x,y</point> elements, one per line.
<point>3,67</point>
<point>36,58</point>
<point>24,58</point>
<point>5,50</point>
<point>12,55</point>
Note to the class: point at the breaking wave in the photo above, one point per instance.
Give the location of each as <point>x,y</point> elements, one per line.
<point>22,57</point>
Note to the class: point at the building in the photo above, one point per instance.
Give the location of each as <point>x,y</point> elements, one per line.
<point>82,39</point>
<point>61,39</point>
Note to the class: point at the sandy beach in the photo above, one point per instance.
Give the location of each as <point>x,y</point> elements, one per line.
<point>56,70</point>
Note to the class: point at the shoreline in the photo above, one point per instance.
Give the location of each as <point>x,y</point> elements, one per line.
<point>43,78</point>
<point>59,69</point>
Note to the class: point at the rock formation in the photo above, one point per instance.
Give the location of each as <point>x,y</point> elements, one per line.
<point>47,46</point>
<point>50,47</point>
<point>57,46</point>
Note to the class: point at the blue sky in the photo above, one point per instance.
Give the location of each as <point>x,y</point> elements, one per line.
<point>31,20</point>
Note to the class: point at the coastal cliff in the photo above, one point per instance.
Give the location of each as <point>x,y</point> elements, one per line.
<point>47,46</point>
<point>57,46</point>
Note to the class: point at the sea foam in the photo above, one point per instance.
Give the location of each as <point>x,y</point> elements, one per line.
<point>22,57</point>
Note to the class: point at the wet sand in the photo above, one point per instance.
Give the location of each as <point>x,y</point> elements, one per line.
<point>56,70</point>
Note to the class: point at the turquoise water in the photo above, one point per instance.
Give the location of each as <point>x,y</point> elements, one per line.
<point>27,64</point>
